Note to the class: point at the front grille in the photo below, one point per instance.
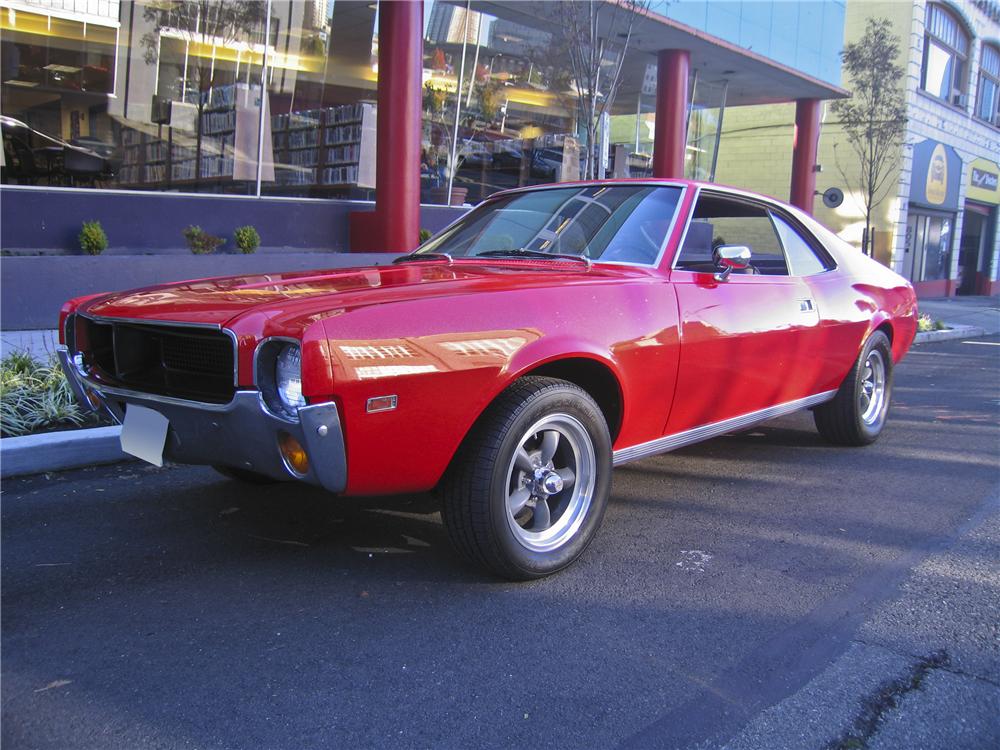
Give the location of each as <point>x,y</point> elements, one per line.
<point>166,360</point>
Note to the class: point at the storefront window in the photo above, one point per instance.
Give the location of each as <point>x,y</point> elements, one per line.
<point>500,108</point>
<point>136,95</point>
<point>167,96</point>
<point>928,248</point>
<point>946,51</point>
<point>708,104</point>
<point>319,138</point>
<point>988,101</point>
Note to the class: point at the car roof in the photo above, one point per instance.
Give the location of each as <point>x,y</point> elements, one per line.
<point>652,181</point>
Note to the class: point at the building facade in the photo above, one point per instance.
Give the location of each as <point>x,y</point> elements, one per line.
<point>937,225</point>
<point>381,117</point>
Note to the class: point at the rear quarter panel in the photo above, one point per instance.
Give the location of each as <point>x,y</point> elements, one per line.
<point>860,296</point>
<point>446,359</point>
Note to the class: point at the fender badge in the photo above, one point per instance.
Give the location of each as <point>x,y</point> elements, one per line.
<point>381,403</point>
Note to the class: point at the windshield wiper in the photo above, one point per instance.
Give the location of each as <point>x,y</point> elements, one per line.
<point>523,252</point>
<point>423,256</point>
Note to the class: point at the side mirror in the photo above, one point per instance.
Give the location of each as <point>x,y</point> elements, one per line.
<point>729,258</point>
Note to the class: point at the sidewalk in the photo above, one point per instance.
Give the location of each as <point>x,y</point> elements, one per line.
<point>40,344</point>
<point>981,312</point>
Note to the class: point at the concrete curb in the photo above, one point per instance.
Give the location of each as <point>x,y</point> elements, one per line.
<point>955,332</point>
<point>56,451</point>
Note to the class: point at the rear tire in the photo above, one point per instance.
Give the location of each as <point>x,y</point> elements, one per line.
<point>857,414</point>
<point>527,491</point>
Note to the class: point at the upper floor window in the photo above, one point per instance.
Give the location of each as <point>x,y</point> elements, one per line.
<point>946,56</point>
<point>988,101</point>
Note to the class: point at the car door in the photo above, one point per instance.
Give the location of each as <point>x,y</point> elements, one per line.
<point>746,343</point>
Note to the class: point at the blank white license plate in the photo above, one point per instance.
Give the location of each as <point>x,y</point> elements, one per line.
<point>144,433</point>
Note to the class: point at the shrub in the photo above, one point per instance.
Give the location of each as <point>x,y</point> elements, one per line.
<point>926,323</point>
<point>201,242</point>
<point>35,397</point>
<point>92,238</point>
<point>425,234</point>
<point>247,239</point>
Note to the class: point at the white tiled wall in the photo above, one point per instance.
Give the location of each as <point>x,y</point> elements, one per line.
<point>932,118</point>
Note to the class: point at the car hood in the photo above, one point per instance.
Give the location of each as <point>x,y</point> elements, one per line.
<point>308,294</point>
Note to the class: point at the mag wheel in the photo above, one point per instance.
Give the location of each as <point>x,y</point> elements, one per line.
<point>528,491</point>
<point>856,415</point>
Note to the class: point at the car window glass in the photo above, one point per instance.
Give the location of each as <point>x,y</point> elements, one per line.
<point>720,221</point>
<point>802,259</point>
<point>619,223</point>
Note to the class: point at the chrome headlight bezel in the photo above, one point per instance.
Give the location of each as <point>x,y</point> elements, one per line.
<point>278,376</point>
<point>288,377</point>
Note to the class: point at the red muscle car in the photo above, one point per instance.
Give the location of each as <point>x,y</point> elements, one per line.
<point>511,361</point>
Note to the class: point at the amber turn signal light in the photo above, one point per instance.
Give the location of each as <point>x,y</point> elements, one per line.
<point>293,453</point>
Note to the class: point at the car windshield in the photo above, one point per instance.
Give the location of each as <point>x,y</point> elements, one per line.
<point>605,223</point>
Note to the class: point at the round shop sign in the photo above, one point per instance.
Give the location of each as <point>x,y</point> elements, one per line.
<point>937,176</point>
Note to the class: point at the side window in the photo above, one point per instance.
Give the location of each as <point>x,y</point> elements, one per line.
<point>802,259</point>
<point>723,221</point>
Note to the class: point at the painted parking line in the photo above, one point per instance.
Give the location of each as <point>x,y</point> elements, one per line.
<point>983,343</point>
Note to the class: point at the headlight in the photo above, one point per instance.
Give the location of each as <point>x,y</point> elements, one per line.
<point>288,377</point>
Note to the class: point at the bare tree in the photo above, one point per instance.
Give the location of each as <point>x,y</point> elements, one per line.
<point>874,119</point>
<point>595,37</point>
<point>206,23</point>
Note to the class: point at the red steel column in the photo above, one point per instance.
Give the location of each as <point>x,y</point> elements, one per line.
<point>804,147</point>
<point>394,226</point>
<point>670,135</point>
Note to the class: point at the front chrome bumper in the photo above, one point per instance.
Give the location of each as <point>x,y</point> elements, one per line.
<point>241,434</point>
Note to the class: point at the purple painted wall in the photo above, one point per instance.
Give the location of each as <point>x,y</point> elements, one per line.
<point>48,220</point>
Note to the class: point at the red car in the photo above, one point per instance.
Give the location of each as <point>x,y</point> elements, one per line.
<point>510,362</point>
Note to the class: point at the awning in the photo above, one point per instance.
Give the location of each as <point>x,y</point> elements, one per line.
<point>751,77</point>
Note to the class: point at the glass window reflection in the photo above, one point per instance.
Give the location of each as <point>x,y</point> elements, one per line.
<point>619,224</point>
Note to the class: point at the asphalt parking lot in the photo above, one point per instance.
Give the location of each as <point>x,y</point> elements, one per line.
<point>759,590</point>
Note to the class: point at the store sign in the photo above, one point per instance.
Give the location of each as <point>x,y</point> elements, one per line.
<point>983,179</point>
<point>936,176</point>
<point>984,182</point>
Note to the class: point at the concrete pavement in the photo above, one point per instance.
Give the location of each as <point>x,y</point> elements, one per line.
<point>980,312</point>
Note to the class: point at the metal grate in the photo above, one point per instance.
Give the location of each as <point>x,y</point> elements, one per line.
<point>183,362</point>
<point>209,356</point>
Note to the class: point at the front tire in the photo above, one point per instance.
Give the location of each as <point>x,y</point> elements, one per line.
<point>856,415</point>
<point>528,490</point>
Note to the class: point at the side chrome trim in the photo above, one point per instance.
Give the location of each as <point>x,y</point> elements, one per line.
<point>687,219</point>
<point>714,429</point>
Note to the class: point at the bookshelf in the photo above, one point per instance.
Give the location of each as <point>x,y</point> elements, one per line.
<point>331,150</point>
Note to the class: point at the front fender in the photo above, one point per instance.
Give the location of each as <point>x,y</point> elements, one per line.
<point>445,361</point>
